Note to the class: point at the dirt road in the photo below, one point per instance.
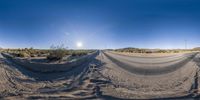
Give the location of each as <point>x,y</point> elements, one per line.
<point>106,76</point>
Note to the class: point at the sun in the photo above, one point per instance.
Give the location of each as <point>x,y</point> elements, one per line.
<point>79,44</point>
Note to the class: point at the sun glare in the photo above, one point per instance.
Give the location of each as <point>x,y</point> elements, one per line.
<point>79,44</point>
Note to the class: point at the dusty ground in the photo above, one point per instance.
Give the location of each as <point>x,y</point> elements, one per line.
<point>100,78</point>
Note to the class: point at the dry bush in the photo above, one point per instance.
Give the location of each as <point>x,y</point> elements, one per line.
<point>79,53</point>
<point>21,54</point>
<point>57,53</point>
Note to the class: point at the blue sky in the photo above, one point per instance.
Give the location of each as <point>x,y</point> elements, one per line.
<point>99,23</point>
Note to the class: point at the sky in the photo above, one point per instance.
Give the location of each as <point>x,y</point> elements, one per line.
<point>100,24</point>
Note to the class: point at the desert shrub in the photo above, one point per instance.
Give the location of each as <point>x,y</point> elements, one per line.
<point>162,51</point>
<point>33,55</point>
<point>148,52</point>
<point>79,53</point>
<point>22,54</point>
<point>57,53</point>
<point>196,49</point>
<point>176,51</point>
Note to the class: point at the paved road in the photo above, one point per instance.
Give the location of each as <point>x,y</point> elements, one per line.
<point>150,66</point>
<point>151,60</point>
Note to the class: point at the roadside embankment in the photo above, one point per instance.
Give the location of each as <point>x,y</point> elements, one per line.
<point>47,67</point>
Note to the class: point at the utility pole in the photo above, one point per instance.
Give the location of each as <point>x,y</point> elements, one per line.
<point>185,44</point>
